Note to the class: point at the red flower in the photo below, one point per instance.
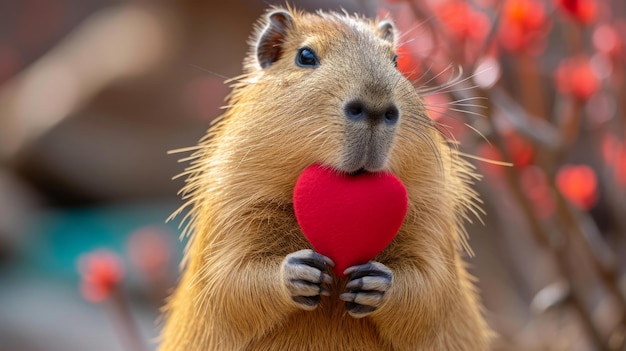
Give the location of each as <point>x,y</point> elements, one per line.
<point>522,153</point>
<point>408,64</point>
<point>523,25</point>
<point>534,182</point>
<point>463,22</point>
<point>575,77</point>
<point>579,185</point>
<point>150,250</point>
<point>583,11</point>
<point>607,40</point>
<point>101,272</point>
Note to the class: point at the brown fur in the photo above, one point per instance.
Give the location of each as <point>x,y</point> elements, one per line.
<point>280,120</point>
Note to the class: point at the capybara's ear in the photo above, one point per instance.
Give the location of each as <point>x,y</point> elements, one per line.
<point>269,46</point>
<point>387,30</point>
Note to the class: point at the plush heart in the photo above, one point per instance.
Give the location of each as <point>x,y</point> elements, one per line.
<point>349,218</point>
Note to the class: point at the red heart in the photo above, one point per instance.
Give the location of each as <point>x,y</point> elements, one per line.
<point>349,219</point>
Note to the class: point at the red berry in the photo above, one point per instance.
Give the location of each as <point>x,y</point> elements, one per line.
<point>579,185</point>
<point>101,272</point>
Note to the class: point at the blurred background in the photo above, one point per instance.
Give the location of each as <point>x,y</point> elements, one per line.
<point>93,93</point>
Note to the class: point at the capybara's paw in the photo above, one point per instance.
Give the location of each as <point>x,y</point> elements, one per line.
<point>304,273</point>
<point>366,288</point>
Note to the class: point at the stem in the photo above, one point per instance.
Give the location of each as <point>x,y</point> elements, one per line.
<point>543,237</point>
<point>119,312</point>
<point>602,257</point>
<point>531,88</point>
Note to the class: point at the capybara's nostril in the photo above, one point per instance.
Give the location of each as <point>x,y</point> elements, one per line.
<point>392,114</point>
<point>355,110</point>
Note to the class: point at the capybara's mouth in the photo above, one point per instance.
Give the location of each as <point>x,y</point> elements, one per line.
<point>358,171</point>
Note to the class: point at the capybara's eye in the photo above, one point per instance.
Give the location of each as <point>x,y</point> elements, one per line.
<point>307,58</point>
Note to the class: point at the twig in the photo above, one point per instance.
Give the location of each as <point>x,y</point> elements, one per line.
<point>534,129</point>
<point>544,239</point>
<point>119,312</point>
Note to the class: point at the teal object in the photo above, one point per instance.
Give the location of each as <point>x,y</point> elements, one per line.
<point>57,238</point>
